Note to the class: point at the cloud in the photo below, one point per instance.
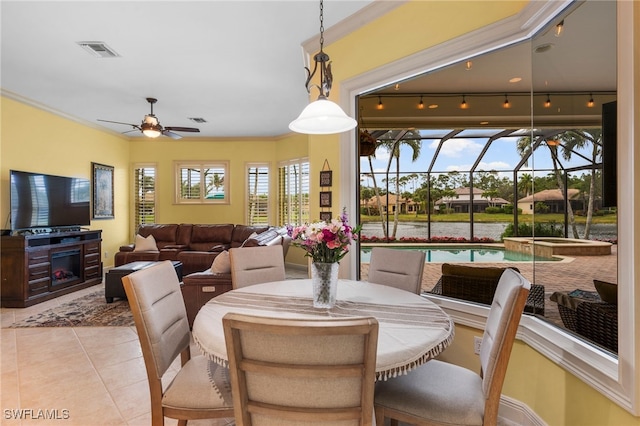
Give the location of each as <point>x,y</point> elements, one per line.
<point>456,148</point>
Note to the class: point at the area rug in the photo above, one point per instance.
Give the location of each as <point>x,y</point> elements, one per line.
<point>88,311</point>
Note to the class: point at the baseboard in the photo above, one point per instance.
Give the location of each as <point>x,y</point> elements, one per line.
<point>515,412</point>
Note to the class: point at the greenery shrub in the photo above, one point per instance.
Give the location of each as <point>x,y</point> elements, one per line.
<point>493,210</point>
<point>541,207</point>
<point>540,229</point>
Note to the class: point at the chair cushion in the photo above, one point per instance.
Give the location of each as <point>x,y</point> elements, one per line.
<point>608,292</point>
<point>193,387</point>
<point>145,244</point>
<point>221,264</point>
<point>442,392</point>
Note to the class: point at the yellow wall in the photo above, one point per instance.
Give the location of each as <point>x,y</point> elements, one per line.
<point>37,141</point>
<point>554,394</point>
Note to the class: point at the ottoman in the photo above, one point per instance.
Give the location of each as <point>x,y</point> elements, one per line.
<point>113,279</point>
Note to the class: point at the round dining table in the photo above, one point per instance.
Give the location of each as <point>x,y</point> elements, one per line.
<point>412,329</point>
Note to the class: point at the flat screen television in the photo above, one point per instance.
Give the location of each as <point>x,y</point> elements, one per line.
<point>40,200</point>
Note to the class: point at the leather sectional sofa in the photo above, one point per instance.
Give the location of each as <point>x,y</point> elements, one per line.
<point>196,246</point>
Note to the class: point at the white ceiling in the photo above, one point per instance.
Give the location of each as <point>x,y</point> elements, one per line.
<point>239,64</point>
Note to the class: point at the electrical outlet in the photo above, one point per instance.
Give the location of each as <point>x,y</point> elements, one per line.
<point>106,254</point>
<point>477,342</point>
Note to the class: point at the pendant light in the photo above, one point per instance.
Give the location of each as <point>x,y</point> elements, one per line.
<point>322,117</point>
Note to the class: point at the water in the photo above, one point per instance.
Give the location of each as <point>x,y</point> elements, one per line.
<point>602,231</point>
<point>463,254</point>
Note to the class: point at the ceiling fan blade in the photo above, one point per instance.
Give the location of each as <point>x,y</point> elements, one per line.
<point>183,129</point>
<point>120,122</point>
<point>171,134</point>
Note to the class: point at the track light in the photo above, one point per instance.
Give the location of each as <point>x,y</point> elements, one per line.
<point>322,117</point>
<point>464,104</point>
<point>506,103</point>
<point>559,29</point>
<point>468,65</point>
<point>420,104</point>
<point>591,103</point>
<point>547,103</point>
<point>380,104</point>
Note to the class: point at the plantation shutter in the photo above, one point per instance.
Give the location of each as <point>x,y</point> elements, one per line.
<point>258,195</point>
<point>293,193</point>
<point>144,195</point>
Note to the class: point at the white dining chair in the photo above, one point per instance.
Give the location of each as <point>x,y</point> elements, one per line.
<point>288,371</point>
<point>397,268</point>
<point>163,330</point>
<point>255,265</point>
<point>440,393</point>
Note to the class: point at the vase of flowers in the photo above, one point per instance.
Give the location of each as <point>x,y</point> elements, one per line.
<point>326,243</point>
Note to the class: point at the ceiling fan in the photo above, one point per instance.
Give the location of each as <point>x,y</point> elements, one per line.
<point>151,127</point>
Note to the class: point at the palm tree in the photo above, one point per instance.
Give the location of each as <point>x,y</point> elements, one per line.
<point>411,139</point>
<point>525,185</point>
<point>524,148</point>
<point>579,139</point>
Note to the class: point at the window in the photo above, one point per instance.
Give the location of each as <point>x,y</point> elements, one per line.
<point>257,194</point>
<point>202,182</point>
<point>144,191</point>
<point>293,192</point>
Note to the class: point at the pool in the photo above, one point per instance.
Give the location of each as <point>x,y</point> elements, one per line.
<point>475,254</point>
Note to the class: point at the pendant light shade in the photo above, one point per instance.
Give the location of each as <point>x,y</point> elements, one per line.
<point>322,117</point>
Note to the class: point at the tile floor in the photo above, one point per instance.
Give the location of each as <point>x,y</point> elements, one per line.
<point>96,375</point>
<point>85,376</point>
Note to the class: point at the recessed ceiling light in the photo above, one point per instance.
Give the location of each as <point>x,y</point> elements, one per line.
<point>543,48</point>
<point>433,106</point>
<point>484,123</point>
<point>515,79</point>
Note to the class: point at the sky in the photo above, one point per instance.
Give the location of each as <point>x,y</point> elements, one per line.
<point>461,153</point>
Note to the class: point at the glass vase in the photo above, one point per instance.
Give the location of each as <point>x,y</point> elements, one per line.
<point>324,277</point>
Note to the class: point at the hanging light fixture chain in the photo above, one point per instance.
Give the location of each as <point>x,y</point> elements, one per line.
<point>321,25</point>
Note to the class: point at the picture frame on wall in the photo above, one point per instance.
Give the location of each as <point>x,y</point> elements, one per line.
<point>102,191</point>
<point>326,178</point>
<point>326,216</point>
<point>325,199</point>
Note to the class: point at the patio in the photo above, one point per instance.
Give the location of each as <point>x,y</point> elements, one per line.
<point>577,272</point>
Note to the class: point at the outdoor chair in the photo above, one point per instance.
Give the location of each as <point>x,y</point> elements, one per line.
<point>255,265</point>
<point>163,329</point>
<point>478,284</point>
<point>292,371</point>
<point>397,268</point>
<point>447,394</point>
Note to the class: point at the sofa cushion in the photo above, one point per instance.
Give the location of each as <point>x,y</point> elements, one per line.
<point>241,233</point>
<point>145,243</point>
<point>266,238</point>
<point>162,233</point>
<point>608,292</point>
<point>221,264</point>
<point>206,237</point>
<point>250,237</point>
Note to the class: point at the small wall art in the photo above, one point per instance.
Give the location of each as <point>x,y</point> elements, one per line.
<point>102,187</point>
<point>325,199</point>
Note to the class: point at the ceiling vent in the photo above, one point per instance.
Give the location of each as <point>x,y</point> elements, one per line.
<point>98,49</point>
<point>198,119</point>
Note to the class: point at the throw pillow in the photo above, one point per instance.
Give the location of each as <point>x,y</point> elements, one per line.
<point>221,264</point>
<point>608,292</point>
<point>145,244</point>
<point>253,235</point>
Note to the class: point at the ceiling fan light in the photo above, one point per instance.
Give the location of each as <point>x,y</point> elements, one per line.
<point>151,130</point>
<point>322,117</point>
